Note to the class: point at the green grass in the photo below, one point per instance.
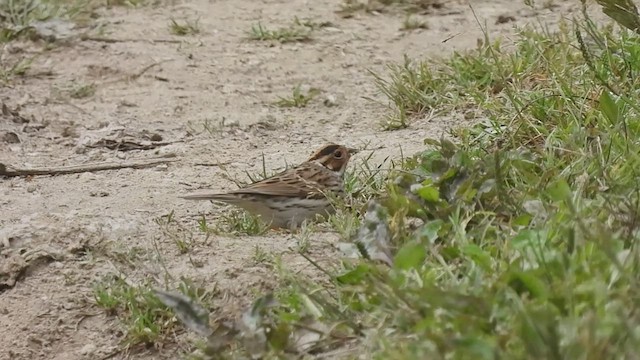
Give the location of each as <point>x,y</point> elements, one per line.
<point>144,318</point>
<point>128,3</point>
<point>239,222</point>
<point>298,98</point>
<point>81,91</point>
<point>19,16</point>
<point>515,240</point>
<point>188,27</point>
<point>529,221</point>
<point>9,69</point>
<point>74,90</point>
<point>297,32</point>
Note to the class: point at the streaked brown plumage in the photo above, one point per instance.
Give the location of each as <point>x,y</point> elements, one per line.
<point>288,198</point>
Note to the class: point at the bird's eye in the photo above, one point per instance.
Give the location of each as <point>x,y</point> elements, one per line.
<point>337,154</point>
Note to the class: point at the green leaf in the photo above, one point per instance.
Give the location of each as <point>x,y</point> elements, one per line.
<point>433,142</point>
<point>559,191</point>
<point>279,336</point>
<point>447,148</point>
<point>429,193</point>
<point>478,256</point>
<point>477,347</point>
<point>522,220</point>
<point>430,230</point>
<point>410,256</point>
<point>354,276</point>
<point>529,237</point>
<point>527,281</point>
<point>609,107</point>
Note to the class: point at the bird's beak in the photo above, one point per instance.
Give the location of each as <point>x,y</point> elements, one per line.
<point>353,151</point>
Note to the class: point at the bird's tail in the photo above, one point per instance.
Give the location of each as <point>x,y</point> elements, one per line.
<point>209,196</point>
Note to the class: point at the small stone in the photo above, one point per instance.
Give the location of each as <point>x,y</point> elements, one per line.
<point>330,101</point>
<point>11,138</point>
<point>505,18</point>
<point>88,349</point>
<point>100,193</point>
<point>31,188</point>
<point>69,131</point>
<point>88,176</point>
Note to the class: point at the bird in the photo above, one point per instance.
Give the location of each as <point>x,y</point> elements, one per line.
<point>288,198</point>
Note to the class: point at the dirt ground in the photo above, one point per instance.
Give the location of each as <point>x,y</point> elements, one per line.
<point>60,234</point>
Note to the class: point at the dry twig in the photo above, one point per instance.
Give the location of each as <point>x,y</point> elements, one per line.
<point>9,171</point>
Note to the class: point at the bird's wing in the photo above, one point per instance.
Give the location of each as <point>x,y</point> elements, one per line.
<point>295,182</point>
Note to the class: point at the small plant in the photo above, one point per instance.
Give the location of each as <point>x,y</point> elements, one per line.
<point>145,318</point>
<point>182,237</point>
<point>396,121</point>
<point>186,28</point>
<point>11,69</point>
<point>298,98</point>
<point>130,3</point>
<point>261,256</point>
<point>303,236</point>
<point>82,91</point>
<point>74,90</point>
<point>17,17</point>
<point>239,222</point>
<point>294,33</point>
<point>412,23</point>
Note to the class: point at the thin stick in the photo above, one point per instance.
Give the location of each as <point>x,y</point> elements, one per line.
<point>6,170</point>
<point>113,41</point>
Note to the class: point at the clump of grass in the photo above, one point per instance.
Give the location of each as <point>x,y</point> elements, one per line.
<point>81,91</point>
<point>412,23</point>
<point>75,90</point>
<point>293,33</point>
<point>12,68</point>
<point>240,222</point>
<point>19,16</point>
<point>298,98</point>
<point>129,3</point>
<point>261,256</point>
<point>188,27</point>
<point>182,237</point>
<point>145,318</point>
<point>520,239</point>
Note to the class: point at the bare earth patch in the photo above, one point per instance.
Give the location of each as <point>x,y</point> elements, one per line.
<point>203,97</point>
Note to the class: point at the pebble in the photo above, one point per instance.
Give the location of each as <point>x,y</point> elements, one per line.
<point>87,176</point>
<point>11,138</point>
<point>330,101</point>
<point>88,349</point>
<point>31,188</point>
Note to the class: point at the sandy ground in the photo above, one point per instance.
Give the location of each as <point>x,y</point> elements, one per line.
<point>60,234</point>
